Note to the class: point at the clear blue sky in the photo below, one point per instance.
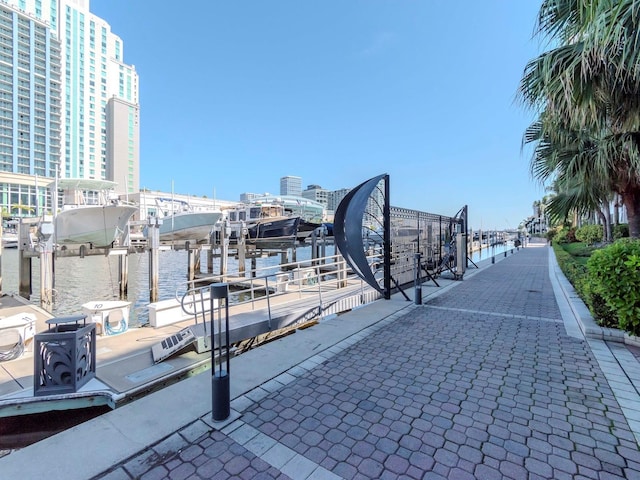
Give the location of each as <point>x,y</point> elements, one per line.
<point>236,94</point>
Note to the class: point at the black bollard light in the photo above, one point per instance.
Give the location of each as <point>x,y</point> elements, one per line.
<point>220,391</point>
<point>416,281</point>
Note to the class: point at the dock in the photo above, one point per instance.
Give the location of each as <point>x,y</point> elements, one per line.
<point>125,369</point>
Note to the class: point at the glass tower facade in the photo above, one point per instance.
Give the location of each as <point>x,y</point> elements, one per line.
<point>290,185</point>
<point>62,81</point>
<point>30,110</point>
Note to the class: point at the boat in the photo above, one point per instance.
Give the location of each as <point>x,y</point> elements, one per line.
<point>110,316</point>
<point>264,225</point>
<point>311,213</point>
<point>90,213</point>
<point>182,221</point>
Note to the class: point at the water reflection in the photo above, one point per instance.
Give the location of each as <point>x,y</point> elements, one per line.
<point>489,252</point>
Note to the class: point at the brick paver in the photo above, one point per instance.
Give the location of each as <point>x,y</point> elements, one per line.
<point>480,382</point>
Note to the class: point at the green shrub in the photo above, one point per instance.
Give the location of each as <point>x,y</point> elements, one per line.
<point>573,270</point>
<point>620,231</point>
<point>561,236</point>
<point>589,234</point>
<point>579,249</point>
<point>602,313</point>
<point>565,235</point>
<point>614,274</point>
<point>551,233</point>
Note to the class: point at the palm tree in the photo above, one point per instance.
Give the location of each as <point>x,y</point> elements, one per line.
<point>564,158</point>
<point>586,91</point>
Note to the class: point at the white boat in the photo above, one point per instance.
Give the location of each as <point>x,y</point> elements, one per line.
<point>89,214</point>
<point>182,221</point>
<point>110,316</point>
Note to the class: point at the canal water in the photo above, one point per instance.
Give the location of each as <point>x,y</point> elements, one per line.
<point>95,278</point>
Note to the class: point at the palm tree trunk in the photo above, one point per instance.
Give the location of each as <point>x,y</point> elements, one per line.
<point>631,201</point>
<point>606,224</point>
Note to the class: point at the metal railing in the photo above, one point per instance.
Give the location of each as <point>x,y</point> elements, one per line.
<point>308,279</point>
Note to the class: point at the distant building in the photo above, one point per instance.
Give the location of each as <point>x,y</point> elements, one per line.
<point>291,186</point>
<point>317,194</point>
<point>335,197</point>
<point>248,197</point>
<point>373,210</point>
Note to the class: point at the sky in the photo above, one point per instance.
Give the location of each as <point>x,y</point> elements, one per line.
<point>235,94</point>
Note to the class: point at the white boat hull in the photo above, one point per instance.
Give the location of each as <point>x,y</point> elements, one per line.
<point>98,225</point>
<point>188,226</point>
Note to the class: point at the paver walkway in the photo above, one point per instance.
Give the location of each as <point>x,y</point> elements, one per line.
<point>481,382</point>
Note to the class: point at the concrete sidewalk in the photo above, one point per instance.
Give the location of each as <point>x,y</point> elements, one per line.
<point>491,377</point>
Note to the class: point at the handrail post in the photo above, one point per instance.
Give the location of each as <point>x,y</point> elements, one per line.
<point>266,286</point>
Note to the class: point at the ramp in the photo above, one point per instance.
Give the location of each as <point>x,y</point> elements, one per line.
<point>173,344</point>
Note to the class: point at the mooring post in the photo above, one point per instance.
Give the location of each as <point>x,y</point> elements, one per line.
<point>24,262</point>
<point>212,239</point>
<point>242,249</point>
<point>197,261</point>
<point>323,244</point>
<point>225,233</point>
<point>45,233</point>
<point>123,274</point>
<point>314,247</point>
<point>342,272</point>
<point>191,261</point>
<point>154,245</point>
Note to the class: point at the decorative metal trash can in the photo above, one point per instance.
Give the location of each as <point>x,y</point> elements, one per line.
<point>64,356</point>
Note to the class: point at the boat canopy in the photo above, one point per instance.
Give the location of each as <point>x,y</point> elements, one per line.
<point>83,184</point>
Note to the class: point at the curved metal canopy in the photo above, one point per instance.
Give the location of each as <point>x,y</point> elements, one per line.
<point>347,230</point>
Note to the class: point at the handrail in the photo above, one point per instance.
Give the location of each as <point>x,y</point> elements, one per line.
<point>314,276</point>
<point>310,278</point>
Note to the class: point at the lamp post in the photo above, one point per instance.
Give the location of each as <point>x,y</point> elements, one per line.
<point>220,391</point>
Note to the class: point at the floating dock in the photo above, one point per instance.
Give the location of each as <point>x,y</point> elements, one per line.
<point>125,368</point>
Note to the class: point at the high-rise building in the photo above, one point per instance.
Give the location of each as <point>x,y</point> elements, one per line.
<point>30,109</point>
<point>317,194</point>
<point>100,106</point>
<point>335,197</point>
<point>291,186</point>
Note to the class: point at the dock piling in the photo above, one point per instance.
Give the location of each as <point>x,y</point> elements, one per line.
<point>45,234</point>
<point>154,245</point>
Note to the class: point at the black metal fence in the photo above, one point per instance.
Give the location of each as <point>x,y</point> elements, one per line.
<point>430,235</point>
